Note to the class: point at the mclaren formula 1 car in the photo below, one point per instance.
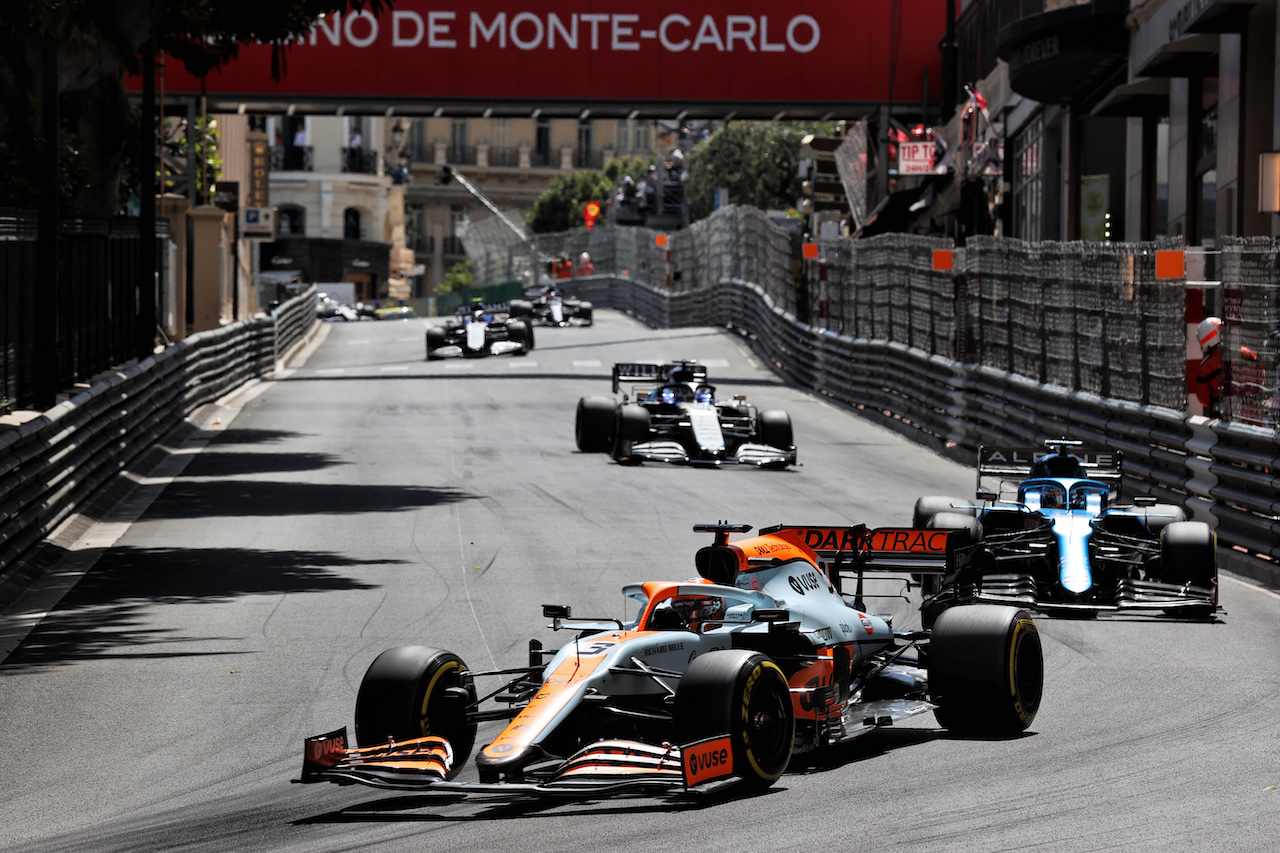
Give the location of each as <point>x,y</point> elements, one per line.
<point>676,417</point>
<point>479,330</point>
<point>1052,536</point>
<point>550,307</point>
<point>715,681</point>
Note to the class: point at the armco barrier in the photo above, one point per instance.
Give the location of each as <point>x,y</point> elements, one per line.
<point>1226,474</point>
<point>51,465</point>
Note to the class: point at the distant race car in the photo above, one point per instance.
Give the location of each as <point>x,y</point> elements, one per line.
<point>1063,543</point>
<point>676,417</point>
<point>548,306</point>
<point>479,330</point>
<point>718,680</point>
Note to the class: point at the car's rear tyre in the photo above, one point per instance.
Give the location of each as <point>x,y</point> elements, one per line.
<point>774,429</point>
<point>986,670</point>
<point>956,521</point>
<point>593,425</point>
<point>1189,555</point>
<point>435,340</point>
<point>521,332</point>
<point>631,425</point>
<point>1160,516</point>
<point>585,312</point>
<point>403,696</point>
<point>520,308</point>
<point>930,505</point>
<point>743,694</point>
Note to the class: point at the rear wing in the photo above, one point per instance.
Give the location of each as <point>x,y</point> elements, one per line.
<point>654,374</point>
<point>1010,463</point>
<point>851,551</point>
<point>489,308</point>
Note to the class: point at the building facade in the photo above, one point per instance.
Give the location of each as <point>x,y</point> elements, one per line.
<point>339,204</point>
<point>1118,120</point>
<point>511,161</point>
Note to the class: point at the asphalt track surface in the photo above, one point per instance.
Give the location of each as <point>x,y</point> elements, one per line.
<point>372,499</point>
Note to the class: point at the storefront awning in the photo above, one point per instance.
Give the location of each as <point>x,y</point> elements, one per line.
<point>1194,55</point>
<point>1146,96</point>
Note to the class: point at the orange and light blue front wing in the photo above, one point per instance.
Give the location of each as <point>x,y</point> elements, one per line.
<point>605,767</point>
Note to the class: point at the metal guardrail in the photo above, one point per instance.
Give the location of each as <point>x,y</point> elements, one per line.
<point>1225,474</point>
<point>53,464</point>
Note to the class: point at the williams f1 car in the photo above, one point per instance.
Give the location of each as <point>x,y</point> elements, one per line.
<point>715,681</point>
<point>676,417</point>
<point>550,307</point>
<point>479,330</point>
<point>1053,537</point>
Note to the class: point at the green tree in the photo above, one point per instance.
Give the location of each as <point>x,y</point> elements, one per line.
<point>458,277</point>
<point>96,42</point>
<point>559,208</point>
<point>758,162</point>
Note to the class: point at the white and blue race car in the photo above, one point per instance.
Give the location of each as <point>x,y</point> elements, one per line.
<point>672,414</point>
<point>1063,543</point>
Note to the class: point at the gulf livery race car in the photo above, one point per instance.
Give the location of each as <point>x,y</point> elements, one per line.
<point>715,681</point>
<point>676,417</point>
<point>479,330</point>
<point>548,306</point>
<point>1053,537</point>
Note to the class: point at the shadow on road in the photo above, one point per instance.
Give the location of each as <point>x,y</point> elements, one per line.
<point>240,498</point>
<point>103,615</point>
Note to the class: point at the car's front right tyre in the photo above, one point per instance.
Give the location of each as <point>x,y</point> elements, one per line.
<point>404,695</point>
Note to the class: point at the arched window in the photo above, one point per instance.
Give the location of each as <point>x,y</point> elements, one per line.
<point>351,224</point>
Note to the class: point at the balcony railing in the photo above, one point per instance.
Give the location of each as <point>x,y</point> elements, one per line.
<point>504,157</point>
<point>292,158</point>
<point>460,155</point>
<point>360,160</point>
<point>453,246</point>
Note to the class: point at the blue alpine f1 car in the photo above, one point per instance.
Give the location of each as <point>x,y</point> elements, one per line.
<point>1053,537</point>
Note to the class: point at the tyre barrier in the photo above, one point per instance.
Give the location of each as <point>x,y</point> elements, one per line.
<point>53,464</point>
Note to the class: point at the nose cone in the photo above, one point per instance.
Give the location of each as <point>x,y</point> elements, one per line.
<point>1073,531</point>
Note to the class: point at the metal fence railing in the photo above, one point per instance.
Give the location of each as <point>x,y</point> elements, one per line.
<point>1088,317</point>
<point>96,299</point>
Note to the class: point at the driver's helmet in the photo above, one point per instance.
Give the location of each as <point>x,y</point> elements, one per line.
<point>1209,332</point>
<point>703,396</point>
<point>668,395</point>
<point>1051,499</point>
<point>682,375</point>
<point>696,609</point>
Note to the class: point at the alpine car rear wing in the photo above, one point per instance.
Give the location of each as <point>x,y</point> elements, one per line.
<point>1016,463</point>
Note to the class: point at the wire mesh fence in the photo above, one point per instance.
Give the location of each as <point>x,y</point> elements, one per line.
<point>1089,317</point>
<point>1251,331</point>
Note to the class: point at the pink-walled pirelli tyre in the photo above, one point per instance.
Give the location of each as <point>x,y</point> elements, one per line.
<point>986,670</point>
<point>403,696</point>
<point>743,694</point>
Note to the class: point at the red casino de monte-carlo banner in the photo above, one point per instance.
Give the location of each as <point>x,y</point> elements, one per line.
<point>745,51</point>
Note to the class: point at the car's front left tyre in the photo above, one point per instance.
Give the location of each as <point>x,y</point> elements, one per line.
<point>742,694</point>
